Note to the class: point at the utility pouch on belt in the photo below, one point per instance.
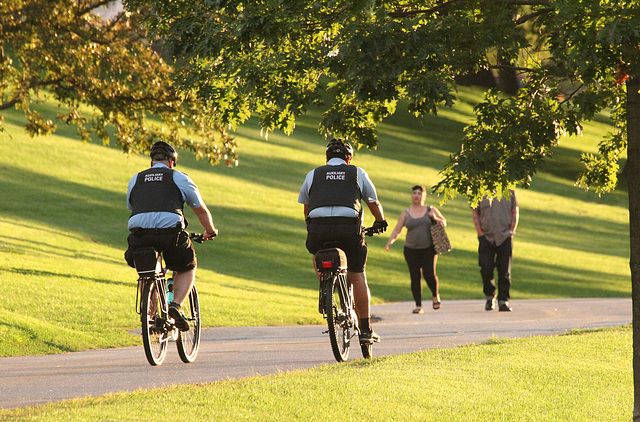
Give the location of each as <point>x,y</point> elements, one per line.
<point>146,260</point>
<point>331,260</point>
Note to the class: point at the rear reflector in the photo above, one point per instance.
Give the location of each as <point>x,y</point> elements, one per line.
<point>327,264</point>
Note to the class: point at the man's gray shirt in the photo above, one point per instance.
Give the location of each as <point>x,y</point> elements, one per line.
<point>496,217</point>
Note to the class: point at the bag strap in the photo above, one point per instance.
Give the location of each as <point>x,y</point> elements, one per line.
<point>433,221</point>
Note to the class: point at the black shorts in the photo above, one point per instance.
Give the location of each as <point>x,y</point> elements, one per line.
<point>176,247</point>
<point>347,231</point>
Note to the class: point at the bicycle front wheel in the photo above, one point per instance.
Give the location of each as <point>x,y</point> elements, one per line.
<point>154,336</point>
<point>337,318</point>
<point>189,341</point>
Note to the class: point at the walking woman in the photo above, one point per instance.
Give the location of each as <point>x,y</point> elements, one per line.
<point>419,253</point>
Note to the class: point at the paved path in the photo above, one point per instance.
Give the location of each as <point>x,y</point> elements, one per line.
<point>240,352</point>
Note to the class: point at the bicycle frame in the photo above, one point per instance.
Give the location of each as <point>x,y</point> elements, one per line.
<point>340,312</point>
<point>152,304</point>
<point>156,276</point>
<point>344,288</point>
<point>337,301</point>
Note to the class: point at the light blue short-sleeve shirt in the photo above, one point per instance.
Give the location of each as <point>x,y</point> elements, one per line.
<point>162,220</point>
<point>367,189</point>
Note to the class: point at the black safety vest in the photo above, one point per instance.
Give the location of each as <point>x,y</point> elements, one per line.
<point>335,186</point>
<point>155,191</point>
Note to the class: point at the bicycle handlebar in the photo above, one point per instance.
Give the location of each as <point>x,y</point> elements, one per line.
<point>377,228</point>
<point>370,231</point>
<point>198,237</point>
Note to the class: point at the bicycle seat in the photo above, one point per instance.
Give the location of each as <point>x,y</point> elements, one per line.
<point>147,261</point>
<point>331,259</point>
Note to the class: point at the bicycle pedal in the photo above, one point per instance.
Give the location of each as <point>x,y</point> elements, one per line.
<point>158,324</point>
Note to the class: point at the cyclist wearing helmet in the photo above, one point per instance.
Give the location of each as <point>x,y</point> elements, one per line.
<point>156,197</point>
<point>332,195</point>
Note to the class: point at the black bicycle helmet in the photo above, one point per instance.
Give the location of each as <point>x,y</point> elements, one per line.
<point>339,148</point>
<point>161,151</point>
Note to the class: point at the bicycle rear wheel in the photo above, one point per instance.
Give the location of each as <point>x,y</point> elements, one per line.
<point>189,341</point>
<point>337,318</point>
<point>154,336</point>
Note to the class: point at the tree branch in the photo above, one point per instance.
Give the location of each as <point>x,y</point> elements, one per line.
<point>571,95</point>
<point>518,68</point>
<point>92,6</point>
<point>408,13</point>
<point>9,104</point>
<point>526,2</point>
<point>447,5</point>
<point>533,15</point>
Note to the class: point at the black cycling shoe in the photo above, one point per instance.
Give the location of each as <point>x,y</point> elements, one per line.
<point>369,337</point>
<point>175,312</point>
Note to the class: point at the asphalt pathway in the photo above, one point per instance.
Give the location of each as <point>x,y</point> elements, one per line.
<point>229,353</point>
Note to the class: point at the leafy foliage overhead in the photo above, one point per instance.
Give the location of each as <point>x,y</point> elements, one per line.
<point>63,50</point>
<point>358,58</point>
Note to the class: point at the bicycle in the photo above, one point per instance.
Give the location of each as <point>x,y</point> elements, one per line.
<point>155,292</point>
<point>336,299</point>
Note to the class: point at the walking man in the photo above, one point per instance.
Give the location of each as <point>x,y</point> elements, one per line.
<point>496,222</point>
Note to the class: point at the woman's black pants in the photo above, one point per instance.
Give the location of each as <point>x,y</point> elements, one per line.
<point>422,263</point>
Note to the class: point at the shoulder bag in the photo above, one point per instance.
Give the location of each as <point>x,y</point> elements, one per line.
<point>439,237</point>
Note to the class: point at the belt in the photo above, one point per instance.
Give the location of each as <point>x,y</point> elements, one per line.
<point>333,220</point>
<point>155,232</point>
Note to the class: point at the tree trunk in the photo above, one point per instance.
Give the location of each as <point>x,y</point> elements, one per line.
<point>507,77</point>
<point>633,167</point>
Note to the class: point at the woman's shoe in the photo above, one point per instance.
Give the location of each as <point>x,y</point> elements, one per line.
<point>436,305</point>
<point>418,310</point>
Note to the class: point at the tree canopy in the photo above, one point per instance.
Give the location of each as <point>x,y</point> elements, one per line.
<point>63,51</point>
<point>357,59</point>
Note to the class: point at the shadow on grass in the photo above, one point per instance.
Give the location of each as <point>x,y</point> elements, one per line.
<point>22,246</point>
<point>24,330</point>
<point>70,206</point>
<point>556,229</point>
<point>40,273</point>
<point>283,173</point>
<point>459,276</point>
<point>558,280</point>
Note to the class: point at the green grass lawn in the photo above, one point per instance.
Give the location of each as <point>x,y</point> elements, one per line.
<point>584,376</point>
<point>63,231</point>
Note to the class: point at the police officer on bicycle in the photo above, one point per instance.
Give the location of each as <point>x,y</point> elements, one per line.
<point>332,196</point>
<point>156,197</point>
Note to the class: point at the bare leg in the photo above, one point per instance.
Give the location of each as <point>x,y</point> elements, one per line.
<point>182,285</point>
<point>361,293</point>
<point>315,268</point>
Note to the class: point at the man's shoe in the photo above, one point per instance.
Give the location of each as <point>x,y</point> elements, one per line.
<point>175,312</point>
<point>504,306</point>
<point>369,337</point>
<point>491,304</point>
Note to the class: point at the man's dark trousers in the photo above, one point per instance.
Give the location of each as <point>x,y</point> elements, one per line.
<point>491,257</point>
